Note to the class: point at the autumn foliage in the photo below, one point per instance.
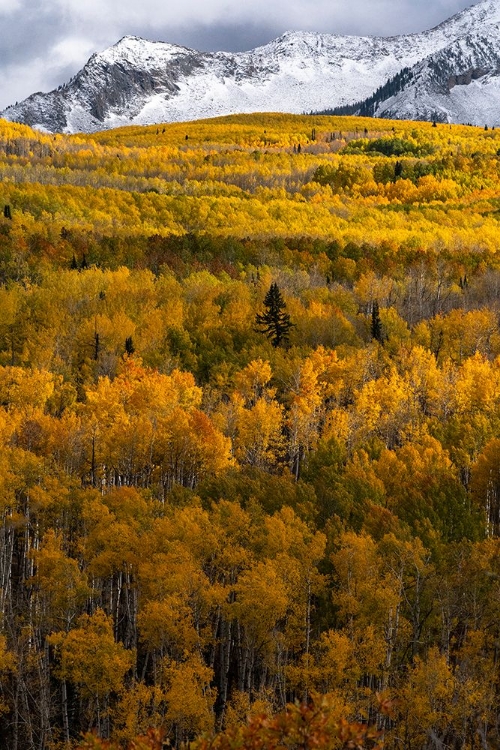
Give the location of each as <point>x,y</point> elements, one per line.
<point>308,726</point>
<point>206,538</point>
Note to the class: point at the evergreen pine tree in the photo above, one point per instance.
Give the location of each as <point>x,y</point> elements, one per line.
<point>97,346</point>
<point>376,326</point>
<point>274,322</point>
<point>129,346</point>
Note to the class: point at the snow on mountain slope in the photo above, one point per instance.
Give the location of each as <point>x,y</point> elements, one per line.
<point>460,83</point>
<point>146,82</point>
<point>141,82</point>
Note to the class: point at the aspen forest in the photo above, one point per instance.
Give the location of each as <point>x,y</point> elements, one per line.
<point>250,436</point>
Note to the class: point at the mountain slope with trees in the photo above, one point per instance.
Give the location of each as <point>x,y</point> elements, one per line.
<point>201,521</point>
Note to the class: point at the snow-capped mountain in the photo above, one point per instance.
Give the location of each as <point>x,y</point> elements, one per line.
<point>451,72</point>
<point>459,82</point>
<point>439,89</point>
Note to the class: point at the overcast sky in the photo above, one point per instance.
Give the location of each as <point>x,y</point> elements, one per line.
<point>44,42</point>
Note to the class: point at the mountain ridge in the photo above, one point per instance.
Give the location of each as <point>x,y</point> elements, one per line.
<point>143,82</point>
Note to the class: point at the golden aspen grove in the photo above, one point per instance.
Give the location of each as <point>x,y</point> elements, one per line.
<point>211,536</point>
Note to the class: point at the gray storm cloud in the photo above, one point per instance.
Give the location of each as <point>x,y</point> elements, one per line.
<point>44,42</point>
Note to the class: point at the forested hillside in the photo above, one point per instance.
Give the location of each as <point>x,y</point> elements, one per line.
<point>201,519</point>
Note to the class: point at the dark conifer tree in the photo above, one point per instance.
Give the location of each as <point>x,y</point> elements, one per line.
<point>274,322</point>
<point>376,326</point>
<point>129,345</point>
<point>97,346</point>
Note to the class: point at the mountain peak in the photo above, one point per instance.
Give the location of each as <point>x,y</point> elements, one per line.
<point>137,50</point>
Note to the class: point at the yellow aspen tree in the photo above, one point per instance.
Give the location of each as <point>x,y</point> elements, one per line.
<point>259,439</point>
<point>426,701</point>
<point>188,696</point>
<point>89,657</point>
<point>303,414</point>
<point>62,587</point>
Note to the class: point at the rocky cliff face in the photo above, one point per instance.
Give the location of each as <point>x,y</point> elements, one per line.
<point>450,73</point>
